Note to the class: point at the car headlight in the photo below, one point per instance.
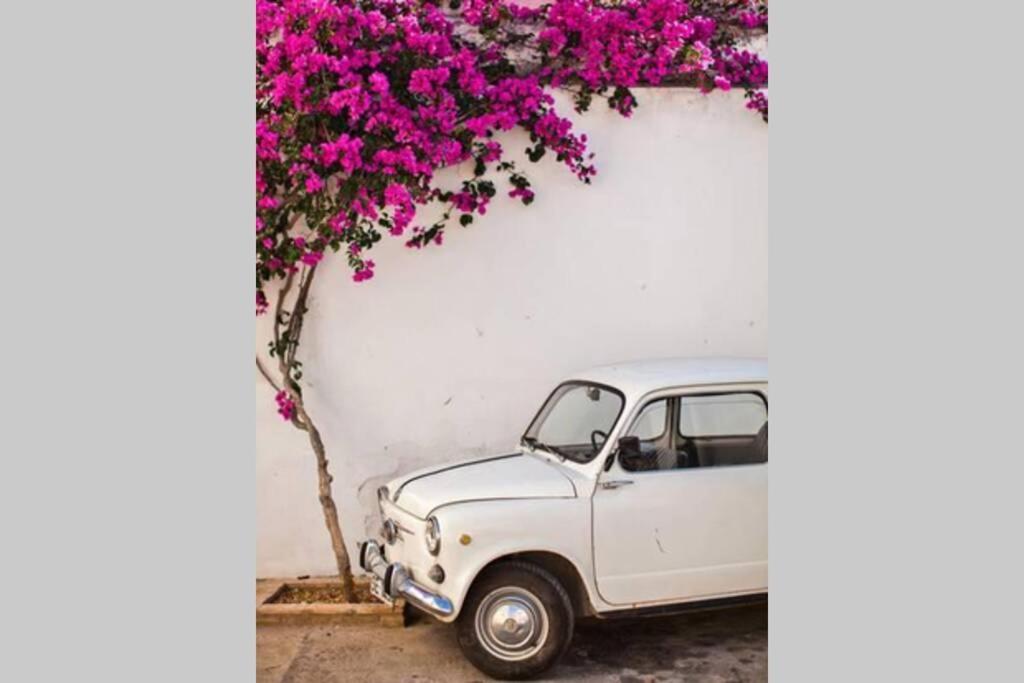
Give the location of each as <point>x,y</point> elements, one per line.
<point>433,536</point>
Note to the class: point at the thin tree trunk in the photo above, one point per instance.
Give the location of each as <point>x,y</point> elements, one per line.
<point>301,420</point>
<point>324,479</point>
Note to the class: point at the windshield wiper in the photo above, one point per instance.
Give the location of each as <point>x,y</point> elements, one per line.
<point>537,445</point>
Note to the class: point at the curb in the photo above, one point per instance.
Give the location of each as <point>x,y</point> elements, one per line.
<point>354,614</point>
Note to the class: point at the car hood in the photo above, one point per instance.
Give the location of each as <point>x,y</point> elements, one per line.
<point>516,475</point>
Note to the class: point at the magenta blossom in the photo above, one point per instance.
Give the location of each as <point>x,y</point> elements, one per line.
<point>359,105</point>
<point>285,405</point>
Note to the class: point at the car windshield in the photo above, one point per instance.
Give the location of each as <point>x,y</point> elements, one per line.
<point>575,420</point>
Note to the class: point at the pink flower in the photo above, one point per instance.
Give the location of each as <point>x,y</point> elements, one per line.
<point>464,201</point>
<point>402,219</point>
<point>553,39</point>
<point>378,82</point>
<point>339,223</point>
<point>285,405</point>
<point>345,149</point>
<point>396,195</point>
<point>427,81</point>
<point>324,78</point>
<point>365,272</point>
<point>492,151</point>
<point>525,194</point>
<point>751,19</point>
<point>314,184</point>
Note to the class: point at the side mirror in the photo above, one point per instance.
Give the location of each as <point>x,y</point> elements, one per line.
<point>629,451</point>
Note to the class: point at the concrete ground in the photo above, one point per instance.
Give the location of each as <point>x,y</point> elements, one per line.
<point>704,647</point>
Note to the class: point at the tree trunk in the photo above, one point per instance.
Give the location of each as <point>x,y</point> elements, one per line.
<point>301,420</point>
<point>330,509</point>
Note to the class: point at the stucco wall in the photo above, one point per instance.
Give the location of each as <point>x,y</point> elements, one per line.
<point>448,352</point>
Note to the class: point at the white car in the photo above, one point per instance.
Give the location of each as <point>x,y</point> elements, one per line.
<point>638,488</point>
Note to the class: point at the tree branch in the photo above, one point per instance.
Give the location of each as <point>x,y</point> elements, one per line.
<point>299,313</point>
<point>296,422</point>
<point>266,375</point>
<point>282,294</point>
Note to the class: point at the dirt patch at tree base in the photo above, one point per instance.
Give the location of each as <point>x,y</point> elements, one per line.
<point>297,593</point>
<point>320,601</point>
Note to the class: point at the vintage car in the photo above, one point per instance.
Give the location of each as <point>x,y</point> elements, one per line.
<point>638,488</point>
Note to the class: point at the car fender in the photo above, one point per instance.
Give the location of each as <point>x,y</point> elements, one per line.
<point>476,533</point>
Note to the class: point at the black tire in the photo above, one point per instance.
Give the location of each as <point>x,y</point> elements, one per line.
<point>513,581</point>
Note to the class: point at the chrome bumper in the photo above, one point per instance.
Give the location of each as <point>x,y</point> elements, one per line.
<point>396,581</point>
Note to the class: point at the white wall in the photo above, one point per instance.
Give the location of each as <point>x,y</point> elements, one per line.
<point>448,351</point>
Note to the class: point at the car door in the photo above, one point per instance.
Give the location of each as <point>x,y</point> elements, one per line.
<point>690,519</point>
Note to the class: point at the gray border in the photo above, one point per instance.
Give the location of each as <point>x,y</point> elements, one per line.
<point>129,485</point>
<point>895,306</point>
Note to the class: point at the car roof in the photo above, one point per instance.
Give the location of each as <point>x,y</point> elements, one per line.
<point>641,376</point>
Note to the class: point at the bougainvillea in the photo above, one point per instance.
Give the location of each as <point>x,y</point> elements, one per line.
<point>285,405</point>
<point>360,103</point>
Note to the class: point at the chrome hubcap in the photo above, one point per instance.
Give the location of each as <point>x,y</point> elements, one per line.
<point>511,623</point>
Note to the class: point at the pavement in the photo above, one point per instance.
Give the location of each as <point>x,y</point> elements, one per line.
<point>728,645</point>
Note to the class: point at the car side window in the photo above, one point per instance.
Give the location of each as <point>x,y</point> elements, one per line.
<point>651,422</point>
<point>724,429</point>
<point>705,430</point>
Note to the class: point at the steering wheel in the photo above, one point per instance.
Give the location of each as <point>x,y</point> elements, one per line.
<point>593,439</point>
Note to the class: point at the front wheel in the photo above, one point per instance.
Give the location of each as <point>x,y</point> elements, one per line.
<point>517,621</point>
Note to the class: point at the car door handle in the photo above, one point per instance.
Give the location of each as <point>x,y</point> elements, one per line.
<point>615,483</point>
